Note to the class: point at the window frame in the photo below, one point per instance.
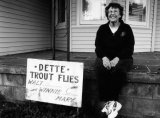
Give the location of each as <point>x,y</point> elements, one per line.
<point>89,22</point>
<point>62,24</point>
<point>136,23</point>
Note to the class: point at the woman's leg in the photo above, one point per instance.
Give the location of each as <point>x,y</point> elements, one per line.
<point>103,77</point>
<point>119,76</point>
<point>110,82</point>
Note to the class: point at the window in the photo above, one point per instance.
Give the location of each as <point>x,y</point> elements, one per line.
<point>61,13</point>
<point>138,12</point>
<point>93,11</point>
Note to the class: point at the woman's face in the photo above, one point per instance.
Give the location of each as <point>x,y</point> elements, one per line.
<point>113,14</point>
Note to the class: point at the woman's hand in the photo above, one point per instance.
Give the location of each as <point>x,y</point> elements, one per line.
<point>114,62</point>
<point>106,63</point>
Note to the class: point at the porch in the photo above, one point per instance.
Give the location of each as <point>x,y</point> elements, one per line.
<point>140,97</point>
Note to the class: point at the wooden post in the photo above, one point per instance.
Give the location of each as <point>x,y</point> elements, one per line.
<point>53,29</point>
<point>68,30</point>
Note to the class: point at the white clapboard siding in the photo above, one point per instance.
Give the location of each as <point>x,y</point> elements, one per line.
<point>25,39</point>
<point>21,48</point>
<point>25,26</point>
<point>23,30</point>
<point>157,40</point>
<point>74,12</point>
<point>16,44</point>
<point>33,7</point>
<point>83,36</point>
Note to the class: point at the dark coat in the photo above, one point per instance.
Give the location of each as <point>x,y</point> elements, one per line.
<point>120,44</point>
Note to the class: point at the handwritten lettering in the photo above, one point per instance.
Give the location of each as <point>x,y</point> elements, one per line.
<point>35,82</point>
<point>65,99</point>
<point>68,78</point>
<point>41,75</point>
<point>51,68</point>
<point>50,90</point>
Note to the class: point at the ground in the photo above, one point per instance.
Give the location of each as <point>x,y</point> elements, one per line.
<point>36,110</point>
<point>30,109</point>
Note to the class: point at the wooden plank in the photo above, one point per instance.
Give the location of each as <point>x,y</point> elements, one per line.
<point>22,20</point>
<point>23,26</point>
<point>18,44</point>
<point>31,47</point>
<point>83,50</point>
<point>22,17</point>
<point>157,40</point>
<point>22,30</point>
<point>10,34</point>
<point>22,51</point>
<point>24,39</point>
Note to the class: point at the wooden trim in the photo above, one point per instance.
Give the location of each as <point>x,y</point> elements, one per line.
<point>60,25</point>
<point>154,26</point>
<point>77,12</point>
<point>89,22</point>
<point>137,24</point>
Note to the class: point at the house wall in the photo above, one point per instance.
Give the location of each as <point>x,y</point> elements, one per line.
<point>83,36</point>
<point>61,39</point>
<point>157,40</point>
<point>24,26</point>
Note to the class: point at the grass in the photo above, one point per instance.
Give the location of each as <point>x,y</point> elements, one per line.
<point>30,109</point>
<point>36,110</point>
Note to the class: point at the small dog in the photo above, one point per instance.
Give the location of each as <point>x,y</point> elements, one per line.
<point>111,108</point>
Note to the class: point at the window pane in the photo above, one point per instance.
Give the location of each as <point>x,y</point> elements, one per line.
<point>137,10</point>
<point>93,9</point>
<point>61,11</point>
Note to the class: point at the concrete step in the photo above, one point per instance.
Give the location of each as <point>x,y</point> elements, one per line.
<point>140,96</point>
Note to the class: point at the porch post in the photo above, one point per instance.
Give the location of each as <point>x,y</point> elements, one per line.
<point>53,29</point>
<point>68,30</point>
<point>154,26</point>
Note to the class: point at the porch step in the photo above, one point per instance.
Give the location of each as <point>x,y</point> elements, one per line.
<point>140,97</point>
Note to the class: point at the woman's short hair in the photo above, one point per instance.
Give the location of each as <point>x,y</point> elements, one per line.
<point>114,5</point>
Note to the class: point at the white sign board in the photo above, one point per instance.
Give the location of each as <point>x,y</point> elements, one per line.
<point>56,82</point>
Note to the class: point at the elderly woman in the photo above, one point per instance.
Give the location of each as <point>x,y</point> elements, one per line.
<point>114,48</point>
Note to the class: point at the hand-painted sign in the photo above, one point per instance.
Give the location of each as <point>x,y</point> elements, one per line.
<point>56,82</point>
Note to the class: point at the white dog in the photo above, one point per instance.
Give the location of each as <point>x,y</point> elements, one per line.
<point>111,108</point>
